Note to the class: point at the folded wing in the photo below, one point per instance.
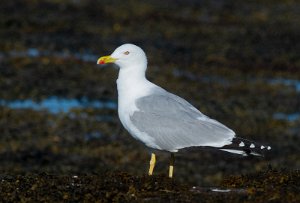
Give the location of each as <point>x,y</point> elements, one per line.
<point>174,123</point>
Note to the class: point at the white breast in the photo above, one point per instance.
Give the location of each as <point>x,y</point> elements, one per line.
<point>128,92</point>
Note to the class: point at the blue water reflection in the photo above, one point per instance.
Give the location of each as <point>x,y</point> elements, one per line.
<point>225,81</point>
<point>288,117</point>
<point>56,105</point>
<point>287,82</point>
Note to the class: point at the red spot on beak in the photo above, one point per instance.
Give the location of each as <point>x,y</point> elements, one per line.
<point>101,62</point>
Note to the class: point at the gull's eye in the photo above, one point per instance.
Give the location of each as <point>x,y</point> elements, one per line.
<point>126,52</point>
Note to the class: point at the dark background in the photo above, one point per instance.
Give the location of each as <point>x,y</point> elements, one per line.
<point>236,61</point>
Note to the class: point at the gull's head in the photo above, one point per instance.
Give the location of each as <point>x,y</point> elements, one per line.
<point>126,56</point>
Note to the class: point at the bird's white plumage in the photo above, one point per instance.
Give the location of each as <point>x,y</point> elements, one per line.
<point>131,84</point>
<point>133,87</point>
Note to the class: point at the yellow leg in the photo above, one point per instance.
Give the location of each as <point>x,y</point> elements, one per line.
<point>152,164</point>
<point>171,167</point>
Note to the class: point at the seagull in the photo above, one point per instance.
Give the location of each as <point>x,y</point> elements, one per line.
<point>165,121</point>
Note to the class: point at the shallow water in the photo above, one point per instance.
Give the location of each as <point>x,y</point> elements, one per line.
<point>56,105</point>
<point>288,117</point>
<point>226,82</point>
<point>287,82</point>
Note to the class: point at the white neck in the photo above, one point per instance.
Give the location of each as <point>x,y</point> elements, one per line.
<point>132,83</point>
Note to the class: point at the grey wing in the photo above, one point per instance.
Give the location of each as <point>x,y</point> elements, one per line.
<point>174,123</point>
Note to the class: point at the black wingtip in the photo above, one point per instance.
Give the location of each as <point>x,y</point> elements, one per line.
<point>246,147</point>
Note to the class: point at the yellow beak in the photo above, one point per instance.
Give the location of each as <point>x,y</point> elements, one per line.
<point>106,59</point>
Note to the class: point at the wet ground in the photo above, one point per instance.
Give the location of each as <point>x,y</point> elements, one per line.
<point>268,186</point>
<point>238,62</point>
